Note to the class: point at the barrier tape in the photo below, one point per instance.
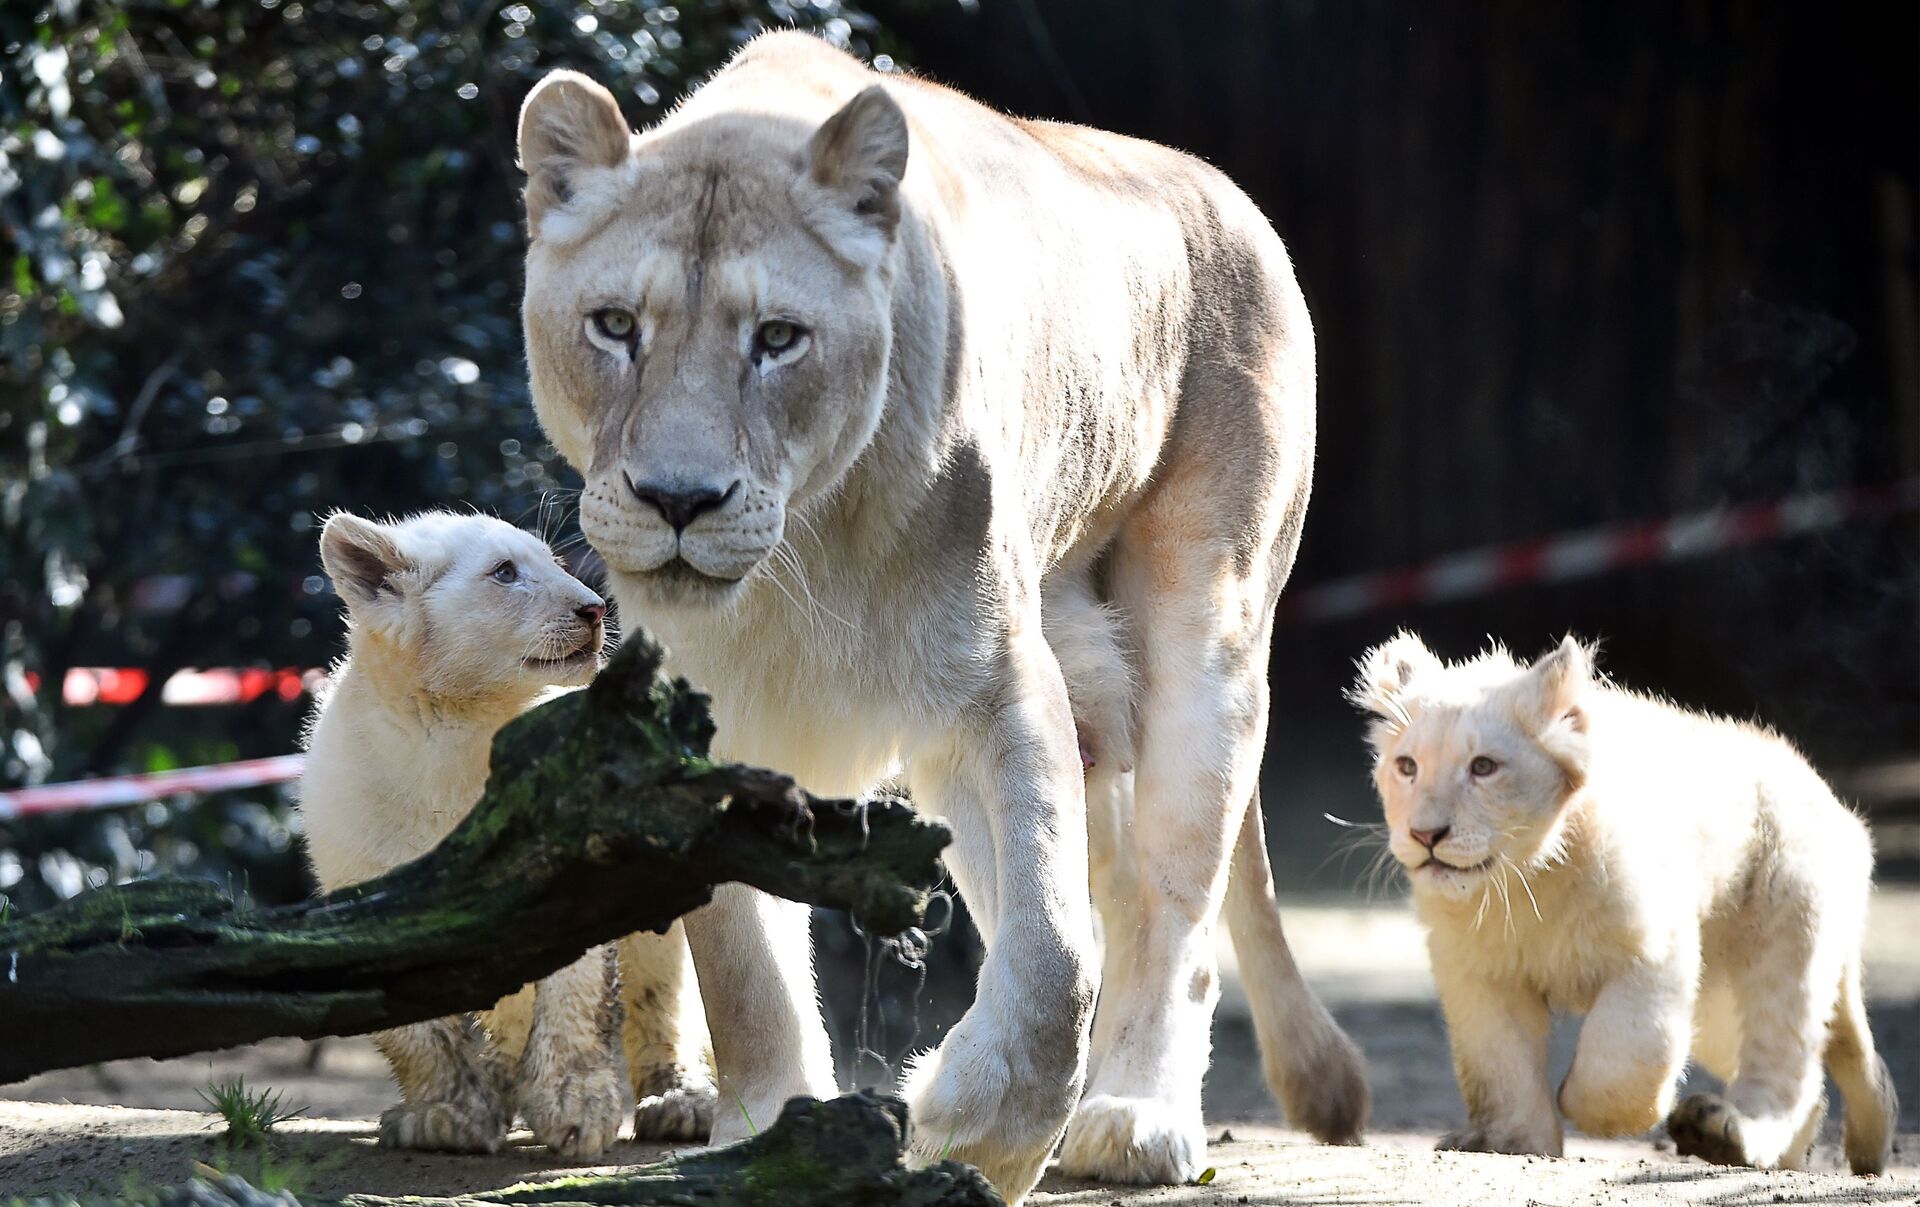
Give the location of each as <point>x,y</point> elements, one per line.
<point>1588,552</point>
<point>1584,553</point>
<point>112,791</point>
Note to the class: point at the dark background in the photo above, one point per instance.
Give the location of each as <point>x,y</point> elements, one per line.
<point>1568,265</point>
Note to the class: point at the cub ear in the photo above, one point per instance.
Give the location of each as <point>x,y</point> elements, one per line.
<point>568,125</point>
<point>860,155</point>
<point>1385,671</point>
<point>364,562</point>
<point>1554,688</point>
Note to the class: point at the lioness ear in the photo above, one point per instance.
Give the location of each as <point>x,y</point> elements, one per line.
<point>1385,671</point>
<point>860,154</point>
<point>568,125</point>
<point>364,563</point>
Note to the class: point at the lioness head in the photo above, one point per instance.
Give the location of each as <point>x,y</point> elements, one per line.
<point>465,606</point>
<point>1474,761</point>
<point>708,320</point>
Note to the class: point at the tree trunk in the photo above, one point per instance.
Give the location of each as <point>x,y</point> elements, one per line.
<point>602,817</point>
<point>843,1153</point>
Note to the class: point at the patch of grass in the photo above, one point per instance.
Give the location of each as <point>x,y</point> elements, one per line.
<point>250,1114</point>
<point>742,1104</point>
<point>951,1132</point>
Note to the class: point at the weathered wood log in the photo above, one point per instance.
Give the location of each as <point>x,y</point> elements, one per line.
<point>603,816</point>
<point>844,1153</point>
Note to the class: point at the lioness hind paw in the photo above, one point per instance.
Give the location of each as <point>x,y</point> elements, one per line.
<point>442,1127</point>
<point>1704,1126</point>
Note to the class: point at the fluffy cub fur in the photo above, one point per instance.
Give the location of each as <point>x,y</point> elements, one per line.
<point>1688,883</point>
<point>457,623</point>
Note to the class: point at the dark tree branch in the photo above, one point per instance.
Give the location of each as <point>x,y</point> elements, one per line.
<point>602,817</point>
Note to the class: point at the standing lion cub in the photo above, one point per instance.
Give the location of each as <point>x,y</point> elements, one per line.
<point>1686,882</point>
<point>457,624</point>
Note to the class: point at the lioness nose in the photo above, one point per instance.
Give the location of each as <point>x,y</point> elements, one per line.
<point>679,504</point>
<point>1430,838</point>
<point>591,613</point>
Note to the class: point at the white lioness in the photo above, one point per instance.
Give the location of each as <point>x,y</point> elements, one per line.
<point>1686,882</point>
<point>923,436</point>
<point>456,624</point>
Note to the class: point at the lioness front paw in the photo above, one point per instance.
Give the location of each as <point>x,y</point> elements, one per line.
<point>682,1113</point>
<point>967,1106</point>
<point>449,1127</point>
<point>576,1115</point>
<point>1490,1139</point>
<point>1705,1126</point>
<point>1140,1140</point>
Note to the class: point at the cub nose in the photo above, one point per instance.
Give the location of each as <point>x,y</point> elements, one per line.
<point>678,503</point>
<point>591,613</point>
<point>1430,838</point>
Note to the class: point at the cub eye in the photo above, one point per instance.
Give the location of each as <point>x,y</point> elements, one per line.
<point>1406,766</point>
<point>505,572</point>
<point>776,336</point>
<point>1482,767</point>
<point>616,324</point>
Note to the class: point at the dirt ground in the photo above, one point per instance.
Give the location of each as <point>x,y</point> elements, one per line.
<point>141,1123</point>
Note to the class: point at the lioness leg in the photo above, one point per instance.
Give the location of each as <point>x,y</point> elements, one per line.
<point>1203,626</point>
<point>754,956</point>
<point>665,1039</point>
<point>998,1090</point>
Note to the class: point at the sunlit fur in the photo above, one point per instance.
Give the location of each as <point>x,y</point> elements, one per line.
<point>1688,883</point>
<point>1032,487</point>
<point>446,644</point>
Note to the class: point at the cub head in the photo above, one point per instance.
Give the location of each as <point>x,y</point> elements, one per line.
<point>1474,761</point>
<point>466,606</point>
<point>708,320</point>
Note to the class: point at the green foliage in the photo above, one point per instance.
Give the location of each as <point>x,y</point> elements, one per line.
<point>260,260</point>
<point>250,1114</point>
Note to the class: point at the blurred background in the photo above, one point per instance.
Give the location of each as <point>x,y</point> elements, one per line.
<point>1571,266</point>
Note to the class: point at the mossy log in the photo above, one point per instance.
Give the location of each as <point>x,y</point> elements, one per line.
<point>603,816</point>
<point>845,1153</point>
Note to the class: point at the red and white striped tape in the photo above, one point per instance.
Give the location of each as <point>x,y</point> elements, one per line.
<point>138,789</point>
<point>1592,551</point>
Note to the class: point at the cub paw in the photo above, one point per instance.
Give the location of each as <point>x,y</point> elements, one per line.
<point>1138,1140</point>
<point>448,1127</point>
<point>682,1113</point>
<point>1705,1126</point>
<point>1514,1141</point>
<point>577,1115</point>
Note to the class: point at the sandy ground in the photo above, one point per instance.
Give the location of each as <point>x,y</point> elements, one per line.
<point>139,1122</point>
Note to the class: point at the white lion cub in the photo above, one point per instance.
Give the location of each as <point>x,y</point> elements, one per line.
<point>456,624</point>
<point>1686,882</point>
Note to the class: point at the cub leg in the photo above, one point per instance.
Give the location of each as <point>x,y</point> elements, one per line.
<point>1499,1038</point>
<point>998,1090</point>
<point>572,1085</point>
<point>1788,988</point>
<point>1863,1078</point>
<point>1632,1049</point>
<point>665,1039</point>
<point>453,1087</point>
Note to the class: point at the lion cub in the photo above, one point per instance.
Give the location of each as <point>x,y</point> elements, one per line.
<point>456,624</point>
<point>1686,882</point>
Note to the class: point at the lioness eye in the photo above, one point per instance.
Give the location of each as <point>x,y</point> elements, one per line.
<point>506,572</point>
<point>1482,767</point>
<point>615,324</point>
<point>1406,766</point>
<point>776,335</point>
